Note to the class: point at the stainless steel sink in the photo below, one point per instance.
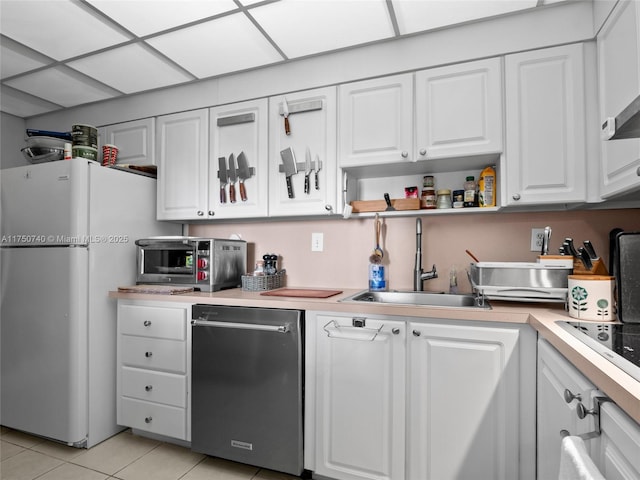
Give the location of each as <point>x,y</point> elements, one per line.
<point>419,298</point>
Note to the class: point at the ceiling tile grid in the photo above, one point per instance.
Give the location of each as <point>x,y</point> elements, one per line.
<point>63,53</point>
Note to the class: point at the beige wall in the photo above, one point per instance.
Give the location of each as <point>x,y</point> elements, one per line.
<point>348,243</point>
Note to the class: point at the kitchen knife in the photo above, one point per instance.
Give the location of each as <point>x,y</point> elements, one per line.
<point>307,170</point>
<point>570,247</point>
<point>232,179</point>
<point>222,175</point>
<point>584,256</point>
<point>290,168</point>
<point>316,168</point>
<point>243,173</point>
<point>285,112</point>
<point>588,246</point>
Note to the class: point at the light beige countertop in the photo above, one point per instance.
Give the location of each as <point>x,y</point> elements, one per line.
<point>611,380</point>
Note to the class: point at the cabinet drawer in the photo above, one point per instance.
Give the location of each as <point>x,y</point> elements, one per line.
<point>157,322</point>
<point>158,387</point>
<point>153,417</point>
<point>153,353</point>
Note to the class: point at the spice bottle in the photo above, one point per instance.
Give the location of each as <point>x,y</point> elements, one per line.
<point>444,198</point>
<point>428,198</point>
<point>470,192</point>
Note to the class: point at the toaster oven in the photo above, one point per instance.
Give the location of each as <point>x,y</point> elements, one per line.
<point>206,264</point>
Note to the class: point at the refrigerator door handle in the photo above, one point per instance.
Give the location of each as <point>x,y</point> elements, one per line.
<point>244,326</point>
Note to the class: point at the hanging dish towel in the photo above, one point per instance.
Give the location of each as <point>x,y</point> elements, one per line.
<point>575,462</point>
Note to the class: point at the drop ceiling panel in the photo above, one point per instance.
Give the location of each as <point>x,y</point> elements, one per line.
<point>144,17</point>
<point>62,86</point>
<point>220,46</point>
<point>415,16</point>
<point>59,29</point>
<point>21,104</point>
<point>302,28</point>
<point>16,59</point>
<point>132,68</point>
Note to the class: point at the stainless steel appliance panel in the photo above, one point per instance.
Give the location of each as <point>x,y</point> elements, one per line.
<point>627,273</point>
<point>247,380</point>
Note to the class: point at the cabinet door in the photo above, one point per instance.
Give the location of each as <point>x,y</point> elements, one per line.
<point>555,375</point>
<point>618,46</point>
<point>464,403</point>
<point>376,121</point>
<point>135,141</point>
<point>313,125</point>
<point>546,139</point>
<point>235,129</point>
<point>360,398</point>
<point>619,444</point>
<point>183,168</point>
<point>459,110</point>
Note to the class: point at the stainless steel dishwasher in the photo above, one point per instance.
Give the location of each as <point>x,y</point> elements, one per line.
<point>247,385</point>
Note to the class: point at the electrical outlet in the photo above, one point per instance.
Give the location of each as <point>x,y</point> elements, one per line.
<point>537,234</point>
<point>317,242</point>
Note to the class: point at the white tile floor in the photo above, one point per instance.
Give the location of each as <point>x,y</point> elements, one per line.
<point>124,457</point>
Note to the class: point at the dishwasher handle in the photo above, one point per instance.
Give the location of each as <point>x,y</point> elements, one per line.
<point>245,326</point>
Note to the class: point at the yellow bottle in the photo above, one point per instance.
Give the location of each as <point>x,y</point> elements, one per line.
<point>487,188</point>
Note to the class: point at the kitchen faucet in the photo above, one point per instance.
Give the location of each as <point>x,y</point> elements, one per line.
<point>419,275</point>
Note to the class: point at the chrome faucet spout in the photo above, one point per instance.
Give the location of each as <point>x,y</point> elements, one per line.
<point>419,276</point>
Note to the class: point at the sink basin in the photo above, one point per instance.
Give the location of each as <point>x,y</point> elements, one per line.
<point>419,298</point>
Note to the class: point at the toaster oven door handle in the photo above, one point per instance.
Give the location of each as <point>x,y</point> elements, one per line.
<point>239,325</point>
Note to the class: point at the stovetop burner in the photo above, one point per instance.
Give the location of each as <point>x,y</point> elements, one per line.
<point>617,342</point>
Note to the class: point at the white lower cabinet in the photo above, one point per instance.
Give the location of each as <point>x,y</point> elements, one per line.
<point>618,447</point>
<point>154,365</point>
<point>555,377</point>
<point>462,394</point>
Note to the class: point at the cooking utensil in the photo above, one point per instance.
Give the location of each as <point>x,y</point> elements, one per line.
<point>586,260</point>
<point>546,238</point>
<point>222,175</point>
<point>307,170</point>
<point>472,256</point>
<point>285,112</point>
<point>389,206</point>
<point>316,168</point>
<point>590,250</point>
<point>244,172</point>
<point>232,179</point>
<point>570,248</point>
<point>378,227</point>
<point>290,168</point>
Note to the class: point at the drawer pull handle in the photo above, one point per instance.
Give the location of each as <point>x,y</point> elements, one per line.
<point>148,388</point>
<point>569,396</point>
<point>147,323</point>
<point>148,419</point>
<point>148,354</point>
<point>416,333</point>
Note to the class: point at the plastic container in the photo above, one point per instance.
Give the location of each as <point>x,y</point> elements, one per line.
<point>470,192</point>
<point>377,282</point>
<point>487,188</point>
<point>458,198</point>
<point>444,198</point>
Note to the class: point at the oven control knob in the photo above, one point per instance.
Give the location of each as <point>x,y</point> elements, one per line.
<point>203,276</point>
<point>203,263</point>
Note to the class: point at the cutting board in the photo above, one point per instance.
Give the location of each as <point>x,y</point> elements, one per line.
<point>301,292</point>
<point>156,289</point>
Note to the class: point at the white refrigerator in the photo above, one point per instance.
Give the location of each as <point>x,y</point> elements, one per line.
<point>68,231</point>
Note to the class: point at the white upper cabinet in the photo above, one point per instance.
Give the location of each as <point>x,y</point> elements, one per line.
<point>618,46</point>
<point>459,110</point>
<point>546,127</point>
<point>312,119</point>
<point>376,121</point>
<point>240,128</point>
<point>135,141</point>
<point>183,155</point>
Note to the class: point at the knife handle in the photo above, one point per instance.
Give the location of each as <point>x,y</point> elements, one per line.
<point>306,184</point>
<point>243,192</point>
<point>317,181</point>
<point>223,194</point>
<point>289,188</point>
<point>232,193</point>
<point>287,128</point>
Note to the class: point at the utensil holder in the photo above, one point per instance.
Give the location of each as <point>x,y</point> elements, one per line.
<point>597,268</point>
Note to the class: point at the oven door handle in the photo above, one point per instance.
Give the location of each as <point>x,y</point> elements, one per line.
<point>243,326</point>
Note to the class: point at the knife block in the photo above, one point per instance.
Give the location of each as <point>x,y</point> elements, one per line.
<point>598,268</point>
